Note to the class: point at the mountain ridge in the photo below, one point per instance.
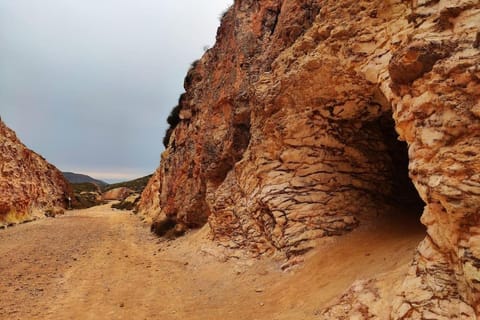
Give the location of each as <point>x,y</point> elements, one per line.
<point>73,177</point>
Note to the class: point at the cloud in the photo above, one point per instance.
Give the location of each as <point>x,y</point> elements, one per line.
<point>90,82</point>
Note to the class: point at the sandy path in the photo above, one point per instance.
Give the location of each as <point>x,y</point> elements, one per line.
<point>105,264</point>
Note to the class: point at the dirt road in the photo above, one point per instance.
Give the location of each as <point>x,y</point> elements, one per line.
<point>105,264</point>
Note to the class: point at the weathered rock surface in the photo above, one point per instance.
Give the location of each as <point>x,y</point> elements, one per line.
<point>30,187</point>
<point>129,203</point>
<point>285,138</point>
<point>117,194</point>
<point>149,202</point>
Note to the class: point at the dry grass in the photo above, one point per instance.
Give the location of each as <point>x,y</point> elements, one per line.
<point>13,217</point>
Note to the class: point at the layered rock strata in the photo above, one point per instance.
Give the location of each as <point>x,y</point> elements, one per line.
<point>30,187</point>
<point>284,137</point>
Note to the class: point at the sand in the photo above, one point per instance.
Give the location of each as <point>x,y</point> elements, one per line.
<point>101,263</point>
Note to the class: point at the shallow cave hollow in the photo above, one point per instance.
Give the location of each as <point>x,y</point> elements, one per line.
<point>404,196</point>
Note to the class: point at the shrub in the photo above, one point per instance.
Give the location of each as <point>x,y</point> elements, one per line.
<point>173,120</point>
<point>166,138</point>
<point>194,64</point>
<point>161,227</point>
<point>174,117</point>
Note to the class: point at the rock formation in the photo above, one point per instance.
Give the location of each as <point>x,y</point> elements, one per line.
<point>129,203</point>
<point>30,187</point>
<point>117,194</point>
<point>149,201</point>
<point>286,136</point>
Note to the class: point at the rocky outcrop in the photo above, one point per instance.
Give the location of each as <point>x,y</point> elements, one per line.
<point>149,203</point>
<point>286,137</point>
<point>129,203</point>
<point>117,194</point>
<point>30,187</point>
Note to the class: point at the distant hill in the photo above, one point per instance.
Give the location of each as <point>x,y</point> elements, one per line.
<point>86,195</point>
<point>82,178</point>
<point>137,185</point>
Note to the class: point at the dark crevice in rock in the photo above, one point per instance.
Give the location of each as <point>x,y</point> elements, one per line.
<point>403,193</point>
<point>270,20</point>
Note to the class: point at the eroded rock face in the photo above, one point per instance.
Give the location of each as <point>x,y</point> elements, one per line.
<point>30,187</point>
<point>282,139</point>
<point>117,194</point>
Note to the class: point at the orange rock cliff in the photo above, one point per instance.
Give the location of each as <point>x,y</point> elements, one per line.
<point>288,128</point>
<point>30,187</point>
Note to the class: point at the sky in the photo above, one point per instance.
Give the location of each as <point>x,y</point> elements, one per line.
<point>88,84</point>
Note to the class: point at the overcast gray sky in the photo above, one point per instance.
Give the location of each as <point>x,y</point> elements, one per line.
<point>88,84</point>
